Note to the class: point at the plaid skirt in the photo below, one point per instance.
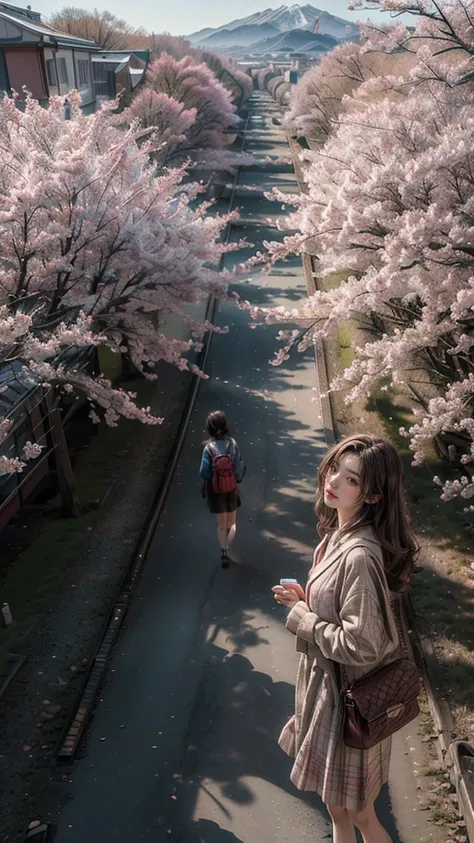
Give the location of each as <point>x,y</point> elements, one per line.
<point>343,776</point>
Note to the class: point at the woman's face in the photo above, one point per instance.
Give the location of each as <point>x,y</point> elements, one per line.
<point>342,486</point>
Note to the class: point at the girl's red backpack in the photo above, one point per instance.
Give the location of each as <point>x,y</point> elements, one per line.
<point>223,473</point>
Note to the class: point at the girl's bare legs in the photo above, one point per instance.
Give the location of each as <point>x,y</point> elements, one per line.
<point>231,519</point>
<point>222,530</point>
<point>369,825</point>
<point>342,826</point>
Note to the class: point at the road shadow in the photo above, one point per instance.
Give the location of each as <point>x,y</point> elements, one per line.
<point>206,831</point>
<point>234,729</point>
<point>233,734</point>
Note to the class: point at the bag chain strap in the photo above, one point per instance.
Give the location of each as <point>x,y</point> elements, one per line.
<point>397,616</point>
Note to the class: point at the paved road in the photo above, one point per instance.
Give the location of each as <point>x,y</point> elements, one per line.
<point>183,743</point>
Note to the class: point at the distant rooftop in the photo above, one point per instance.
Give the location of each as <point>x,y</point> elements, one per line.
<point>19,12</point>
<point>31,22</point>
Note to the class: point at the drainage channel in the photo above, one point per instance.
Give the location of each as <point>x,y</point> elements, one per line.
<point>84,706</point>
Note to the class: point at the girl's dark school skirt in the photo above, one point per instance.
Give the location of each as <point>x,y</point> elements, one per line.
<point>228,502</point>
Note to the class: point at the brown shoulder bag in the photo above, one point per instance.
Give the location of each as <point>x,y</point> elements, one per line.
<point>382,702</point>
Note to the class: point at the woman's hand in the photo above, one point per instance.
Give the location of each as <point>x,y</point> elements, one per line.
<point>285,596</point>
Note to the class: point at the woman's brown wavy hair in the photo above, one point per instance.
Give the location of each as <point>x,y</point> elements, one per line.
<point>381,476</point>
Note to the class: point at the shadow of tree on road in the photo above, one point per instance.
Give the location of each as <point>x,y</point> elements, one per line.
<point>206,831</point>
<point>233,742</point>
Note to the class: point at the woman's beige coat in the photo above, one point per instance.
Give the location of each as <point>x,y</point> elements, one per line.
<point>346,619</point>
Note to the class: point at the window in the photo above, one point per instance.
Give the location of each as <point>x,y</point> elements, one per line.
<point>104,79</point>
<point>51,72</point>
<point>99,71</point>
<point>83,73</point>
<point>62,72</point>
<point>60,66</point>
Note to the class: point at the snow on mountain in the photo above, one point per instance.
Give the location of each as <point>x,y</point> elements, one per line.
<point>299,40</point>
<point>241,36</point>
<point>282,19</point>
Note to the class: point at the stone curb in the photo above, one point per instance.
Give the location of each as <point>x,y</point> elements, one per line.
<point>449,750</point>
<point>86,699</point>
<point>322,379</point>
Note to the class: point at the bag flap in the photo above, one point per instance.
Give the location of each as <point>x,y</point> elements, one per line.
<point>397,683</point>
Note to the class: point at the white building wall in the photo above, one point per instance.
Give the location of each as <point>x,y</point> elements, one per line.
<point>75,73</point>
<point>86,90</point>
<point>50,55</point>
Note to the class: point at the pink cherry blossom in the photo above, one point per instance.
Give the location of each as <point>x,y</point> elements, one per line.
<point>95,246</point>
<point>390,205</point>
<point>195,86</point>
<point>166,120</point>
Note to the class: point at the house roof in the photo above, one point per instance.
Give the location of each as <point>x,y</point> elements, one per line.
<point>110,56</point>
<point>13,386</point>
<point>136,74</point>
<point>21,12</point>
<point>118,62</point>
<point>48,34</point>
<point>121,56</point>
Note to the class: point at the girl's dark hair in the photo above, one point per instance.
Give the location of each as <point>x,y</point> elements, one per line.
<point>381,476</point>
<point>216,425</point>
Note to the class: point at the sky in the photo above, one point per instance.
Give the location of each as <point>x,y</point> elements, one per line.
<point>182,17</point>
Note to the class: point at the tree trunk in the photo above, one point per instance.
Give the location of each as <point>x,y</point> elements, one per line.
<point>70,503</point>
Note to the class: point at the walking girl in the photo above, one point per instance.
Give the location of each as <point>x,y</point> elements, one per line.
<point>222,468</point>
<point>345,629</point>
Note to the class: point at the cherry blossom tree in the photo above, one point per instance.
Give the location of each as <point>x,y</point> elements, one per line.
<point>173,45</point>
<point>283,93</point>
<point>280,90</point>
<point>264,76</point>
<point>236,81</point>
<point>196,87</point>
<point>443,39</point>
<point>390,203</point>
<point>168,123</point>
<point>94,247</point>
<point>274,83</point>
<point>318,100</point>
<point>242,78</point>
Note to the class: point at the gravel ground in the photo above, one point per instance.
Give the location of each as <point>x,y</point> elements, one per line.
<point>34,709</point>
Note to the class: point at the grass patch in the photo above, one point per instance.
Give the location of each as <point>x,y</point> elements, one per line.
<point>430,771</point>
<point>330,282</point>
<point>346,353</point>
<point>36,578</point>
<point>99,469</point>
<point>393,415</point>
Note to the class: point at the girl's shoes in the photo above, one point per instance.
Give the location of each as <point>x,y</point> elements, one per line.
<point>224,558</point>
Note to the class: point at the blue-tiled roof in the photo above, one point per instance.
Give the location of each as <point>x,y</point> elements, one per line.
<point>49,34</point>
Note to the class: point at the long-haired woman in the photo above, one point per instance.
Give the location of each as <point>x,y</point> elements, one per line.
<point>345,626</point>
<point>221,450</point>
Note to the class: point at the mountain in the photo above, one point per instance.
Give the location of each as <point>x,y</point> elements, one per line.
<point>282,19</point>
<point>241,36</point>
<point>298,40</point>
